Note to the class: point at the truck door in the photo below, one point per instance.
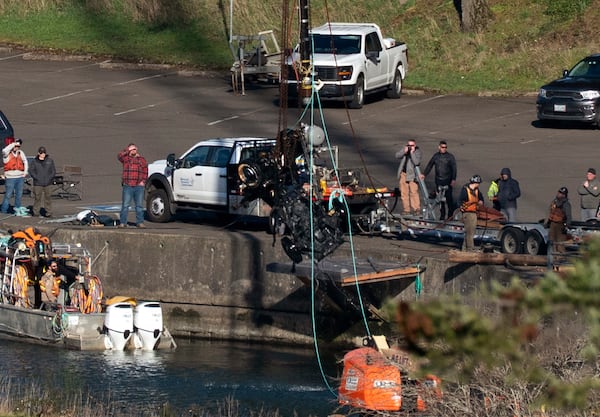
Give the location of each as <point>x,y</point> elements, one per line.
<point>376,62</point>
<point>202,177</point>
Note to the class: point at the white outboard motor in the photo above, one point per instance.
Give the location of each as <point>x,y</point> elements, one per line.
<point>119,325</point>
<point>148,323</point>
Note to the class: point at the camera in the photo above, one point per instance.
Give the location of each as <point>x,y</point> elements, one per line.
<point>19,141</point>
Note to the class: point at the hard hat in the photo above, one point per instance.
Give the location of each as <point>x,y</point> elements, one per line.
<point>475,179</point>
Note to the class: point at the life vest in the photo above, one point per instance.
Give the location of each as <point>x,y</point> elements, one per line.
<point>470,206</point>
<point>31,237</point>
<point>14,163</point>
<point>55,286</point>
<point>557,214</point>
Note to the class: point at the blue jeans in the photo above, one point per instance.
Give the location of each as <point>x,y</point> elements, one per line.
<point>137,195</point>
<point>12,185</point>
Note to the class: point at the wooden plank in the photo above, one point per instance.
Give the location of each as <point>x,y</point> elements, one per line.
<point>365,278</point>
<point>496,258</point>
<point>341,271</point>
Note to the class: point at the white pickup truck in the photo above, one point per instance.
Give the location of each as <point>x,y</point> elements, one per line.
<point>215,174</point>
<point>350,60</point>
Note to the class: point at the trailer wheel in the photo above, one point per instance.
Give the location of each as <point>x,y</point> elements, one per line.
<point>534,243</point>
<point>511,240</point>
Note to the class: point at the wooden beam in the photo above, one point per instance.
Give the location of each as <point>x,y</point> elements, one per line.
<point>496,258</point>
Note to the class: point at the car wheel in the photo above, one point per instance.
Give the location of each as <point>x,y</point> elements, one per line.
<point>158,206</point>
<point>511,240</point>
<point>395,90</point>
<point>358,99</point>
<point>534,243</point>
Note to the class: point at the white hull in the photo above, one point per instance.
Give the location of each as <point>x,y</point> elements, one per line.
<point>71,330</point>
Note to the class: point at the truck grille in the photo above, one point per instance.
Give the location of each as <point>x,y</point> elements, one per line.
<point>574,95</point>
<point>321,73</point>
<point>326,73</point>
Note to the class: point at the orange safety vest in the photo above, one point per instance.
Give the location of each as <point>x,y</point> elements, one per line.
<point>470,206</point>
<point>55,286</point>
<point>557,214</point>
<point>14,163</point>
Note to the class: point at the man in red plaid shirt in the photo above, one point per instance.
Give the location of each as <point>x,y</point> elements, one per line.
<point>135,174</point>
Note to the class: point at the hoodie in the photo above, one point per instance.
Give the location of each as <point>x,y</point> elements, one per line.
<point>508,190</point>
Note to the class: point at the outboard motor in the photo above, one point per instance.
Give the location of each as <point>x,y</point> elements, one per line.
<point>118,325</point>
<point>148,323</point>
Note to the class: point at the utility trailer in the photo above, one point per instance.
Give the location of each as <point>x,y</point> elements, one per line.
<point>529,238</point>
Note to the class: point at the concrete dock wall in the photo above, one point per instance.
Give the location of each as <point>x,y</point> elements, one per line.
<point>214,284</point>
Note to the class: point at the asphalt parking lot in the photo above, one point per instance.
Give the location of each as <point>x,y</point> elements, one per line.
<point>85,112</point>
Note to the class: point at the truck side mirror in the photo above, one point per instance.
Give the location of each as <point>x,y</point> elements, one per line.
<point>373,55</point>
<point>171,160</point>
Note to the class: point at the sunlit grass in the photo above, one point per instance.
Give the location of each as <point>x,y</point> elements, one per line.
<point>523,46</point>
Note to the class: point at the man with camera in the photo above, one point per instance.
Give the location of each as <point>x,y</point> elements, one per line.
<point>15,171</point>
<point>135,174</point>
<point>410,159</point>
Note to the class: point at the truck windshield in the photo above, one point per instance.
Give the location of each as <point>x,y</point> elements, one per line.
<point>589,68</point>
<point>336,44</point>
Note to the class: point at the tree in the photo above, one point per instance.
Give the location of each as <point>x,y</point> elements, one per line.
<point>528,347</point>
<point>474,15</point>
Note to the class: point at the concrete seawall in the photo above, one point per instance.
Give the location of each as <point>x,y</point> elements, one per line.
<point>214,283</point>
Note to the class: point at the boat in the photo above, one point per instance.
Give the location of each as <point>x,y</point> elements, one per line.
<point>84,320</point>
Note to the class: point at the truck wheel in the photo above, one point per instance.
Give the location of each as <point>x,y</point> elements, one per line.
<point>511,240</point>
<point>158,207</point>
<point>534,243</point>
<point>358,99</point>
<point>395,90</point>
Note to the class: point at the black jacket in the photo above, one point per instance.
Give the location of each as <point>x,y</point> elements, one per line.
<point>42,171</point>
<point>445,168</point>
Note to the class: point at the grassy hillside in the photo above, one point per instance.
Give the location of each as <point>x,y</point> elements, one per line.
<point>526,43</point>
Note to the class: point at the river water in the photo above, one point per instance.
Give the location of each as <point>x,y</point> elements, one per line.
<point>197,374</point>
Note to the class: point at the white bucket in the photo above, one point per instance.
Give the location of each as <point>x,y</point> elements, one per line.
<point>119,324</point>
<point>148,323</point>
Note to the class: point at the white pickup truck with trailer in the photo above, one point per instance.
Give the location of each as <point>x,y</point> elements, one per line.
<point>349,61</point>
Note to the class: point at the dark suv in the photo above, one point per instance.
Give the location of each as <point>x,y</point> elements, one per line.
<point>575,96</point>
<point>6,130</point>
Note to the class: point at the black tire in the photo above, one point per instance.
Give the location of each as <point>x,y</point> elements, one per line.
<point>158,206</point>
<point>395,90</point>
<point>511,240</point>
<point>358,99</point>
<point>534,243</point>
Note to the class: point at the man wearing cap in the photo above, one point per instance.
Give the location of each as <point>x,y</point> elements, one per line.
<point>470,199</point>
<point>135,174</point>
<point>589,191</point>
<point>15,170</point>
<point>42,171</point>
<point>559,218</point>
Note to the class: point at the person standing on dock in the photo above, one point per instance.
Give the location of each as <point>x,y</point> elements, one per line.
<point>559,218</point>
<point>15,171</point>
<point>508,192</point>
<point>42,171</point>
<point>470,199</point>
<point>135,174</point>
<point>445,176</point>
<point>589,191</point>
<point>410,159</point>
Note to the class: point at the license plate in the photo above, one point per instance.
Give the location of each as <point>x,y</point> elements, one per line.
<point>560,107</point>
